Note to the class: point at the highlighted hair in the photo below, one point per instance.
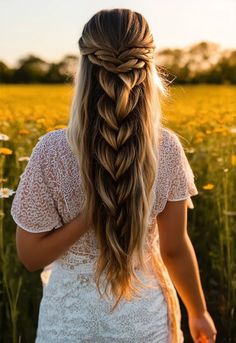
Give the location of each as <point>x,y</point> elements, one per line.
<point>113,129</point>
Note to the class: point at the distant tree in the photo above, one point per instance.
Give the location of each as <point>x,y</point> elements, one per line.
<point>53,75</point>
<point>227,67</point>
<point>197,63</point>
<point>31,69</point>
<point>202,57</point>
<point>63,71</point>
<point>175,62</point>
<point>68,66</point>
<point>5,73</point>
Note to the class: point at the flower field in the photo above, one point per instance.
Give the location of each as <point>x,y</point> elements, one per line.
<point>204,117</point>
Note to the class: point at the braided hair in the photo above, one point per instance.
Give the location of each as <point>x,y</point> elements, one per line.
<point>112,131</point>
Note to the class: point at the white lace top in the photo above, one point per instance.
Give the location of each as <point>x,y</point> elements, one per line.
<point>50,194</point>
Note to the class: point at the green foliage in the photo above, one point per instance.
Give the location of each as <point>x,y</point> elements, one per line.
<point>33,69</point>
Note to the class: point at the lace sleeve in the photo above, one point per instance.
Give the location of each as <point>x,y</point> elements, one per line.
<point>182,185</point>
<point>33,207</point>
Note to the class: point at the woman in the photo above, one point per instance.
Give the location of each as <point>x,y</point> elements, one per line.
<point>104,201</point>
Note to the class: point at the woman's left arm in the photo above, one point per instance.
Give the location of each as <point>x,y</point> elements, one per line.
<point>180,260</point>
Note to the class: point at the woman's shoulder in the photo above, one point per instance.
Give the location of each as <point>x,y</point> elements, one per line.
<point>170,144</point>
<point>168,136</point>
<point>51,150</point>
<point>52,138</point>
<point>52,144</point>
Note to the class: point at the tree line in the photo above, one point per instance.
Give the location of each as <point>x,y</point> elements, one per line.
<point>199,63</point>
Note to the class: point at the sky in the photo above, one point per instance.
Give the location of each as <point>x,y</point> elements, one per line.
<point>50,29</point>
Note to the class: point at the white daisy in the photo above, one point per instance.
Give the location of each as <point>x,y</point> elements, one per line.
<point>6,192</point>
<point>23,158</point>
<point>3,137</point>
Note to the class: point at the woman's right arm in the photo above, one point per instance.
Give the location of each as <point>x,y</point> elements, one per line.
<point>179,257</point>
<point>37,250</point>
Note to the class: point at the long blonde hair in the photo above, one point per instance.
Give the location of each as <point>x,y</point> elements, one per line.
<point>113,129</point>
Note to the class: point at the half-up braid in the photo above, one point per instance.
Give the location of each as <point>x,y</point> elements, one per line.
<point>112,130</point>
<point>126,61</point>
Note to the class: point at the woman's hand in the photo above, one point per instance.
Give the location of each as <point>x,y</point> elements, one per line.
<point>202,328</point>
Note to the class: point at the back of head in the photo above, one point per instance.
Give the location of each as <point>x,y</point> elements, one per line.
<point>113,130</point>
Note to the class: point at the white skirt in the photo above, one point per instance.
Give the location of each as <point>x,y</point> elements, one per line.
<point>71,310</point>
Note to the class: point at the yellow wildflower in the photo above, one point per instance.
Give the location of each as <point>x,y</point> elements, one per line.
<point>208,186</point>
<point>199,137</point>
<point>41,121</point>
<point>199,134</point>
<point>60,127</point>
<point>5,151</point>
<point>219,129</point>
<point>233,160</point>
<point>24,132</point>
<point>49,129</point>
<point>198,140</point>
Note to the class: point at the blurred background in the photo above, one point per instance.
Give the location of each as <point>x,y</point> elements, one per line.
<point>196,54</point>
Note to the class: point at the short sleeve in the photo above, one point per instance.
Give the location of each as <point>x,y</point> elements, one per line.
<point>182,185</point>
<point>34,207</point>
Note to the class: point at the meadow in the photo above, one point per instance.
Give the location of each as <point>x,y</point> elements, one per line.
<point>204,117</point>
